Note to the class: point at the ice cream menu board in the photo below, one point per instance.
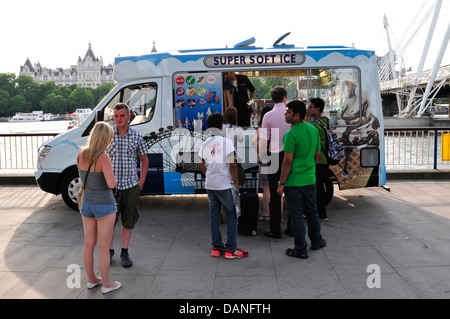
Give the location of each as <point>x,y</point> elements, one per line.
<point>196,96</point>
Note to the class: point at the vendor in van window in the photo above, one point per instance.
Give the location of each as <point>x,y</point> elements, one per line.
<point>240,85</point>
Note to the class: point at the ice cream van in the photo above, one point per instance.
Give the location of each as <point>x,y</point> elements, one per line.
<point>171,94</point>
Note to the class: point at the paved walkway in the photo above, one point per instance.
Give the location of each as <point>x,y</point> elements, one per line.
<point>404,234</point>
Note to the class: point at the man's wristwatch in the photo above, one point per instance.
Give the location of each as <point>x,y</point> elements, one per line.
<point>280,184</point>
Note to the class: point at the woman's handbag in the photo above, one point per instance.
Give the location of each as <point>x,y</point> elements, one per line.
<point>81,190</point>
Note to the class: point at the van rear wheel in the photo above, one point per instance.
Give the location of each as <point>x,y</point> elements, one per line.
<point>69,189</point>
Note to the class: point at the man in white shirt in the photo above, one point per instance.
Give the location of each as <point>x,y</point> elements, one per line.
<point>219,167</point>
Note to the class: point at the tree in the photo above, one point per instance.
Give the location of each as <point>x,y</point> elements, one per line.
<point>45,89</point>
<point>4,103</point>
<point>23,94</point>
<point>54,104</point>
<point>101,91</point>
<point>262,90</point>
<point>64,91</point>
<point>27,88</point>
<point>19,103</point>
<point>8,83</point>
<point>80,98</point>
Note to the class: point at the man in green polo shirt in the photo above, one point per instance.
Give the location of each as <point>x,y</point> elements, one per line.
<point>298,179</point>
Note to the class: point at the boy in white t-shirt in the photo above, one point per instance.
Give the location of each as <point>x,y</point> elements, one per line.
<point>219,167</point>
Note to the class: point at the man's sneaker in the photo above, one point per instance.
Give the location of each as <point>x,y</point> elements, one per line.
<point>125,258</point>
<point>322,244</point>
<point>216,252</point>
<point>237,254</point>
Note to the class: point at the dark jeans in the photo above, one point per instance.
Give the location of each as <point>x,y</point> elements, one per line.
<point>275,199</point>
<point>302,201</point>
<point>321,170</point>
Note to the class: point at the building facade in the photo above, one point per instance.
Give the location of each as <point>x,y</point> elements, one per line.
<point>88,72</point>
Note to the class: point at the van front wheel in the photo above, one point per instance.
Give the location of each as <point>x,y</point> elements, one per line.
<point>69,189</point>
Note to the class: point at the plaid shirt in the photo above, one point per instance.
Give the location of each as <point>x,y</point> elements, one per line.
<point>124,152</point>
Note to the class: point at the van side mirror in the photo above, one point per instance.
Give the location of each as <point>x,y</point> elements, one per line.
<point>99,116</point>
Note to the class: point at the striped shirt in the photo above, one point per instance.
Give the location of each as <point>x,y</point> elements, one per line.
<point>124,152</point>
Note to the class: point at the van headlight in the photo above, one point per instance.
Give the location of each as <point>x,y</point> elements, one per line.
<point>43,152</point>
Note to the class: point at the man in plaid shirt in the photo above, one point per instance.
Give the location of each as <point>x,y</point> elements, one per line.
<point>126,146</point>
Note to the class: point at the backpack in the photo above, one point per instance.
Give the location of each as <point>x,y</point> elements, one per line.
<point>334,152</point>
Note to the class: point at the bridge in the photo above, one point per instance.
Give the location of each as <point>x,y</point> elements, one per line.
<point>404,86</point>
<point>413,94</point>
<point>409,81</point>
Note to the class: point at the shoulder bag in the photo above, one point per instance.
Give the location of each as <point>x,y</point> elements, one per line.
<point>81,190</point>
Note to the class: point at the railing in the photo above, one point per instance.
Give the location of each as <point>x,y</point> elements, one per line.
<point>19,151</point>
<point>414,148</point>
<point>405,148</point>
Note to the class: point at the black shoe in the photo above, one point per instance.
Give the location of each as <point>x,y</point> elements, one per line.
<point>322,244</point>
<point>295,253</point>
<point>125,258</point>
<point>111,254</point>
<point>272,235</point>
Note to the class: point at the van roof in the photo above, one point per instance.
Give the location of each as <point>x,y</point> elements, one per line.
<point>166,63</point>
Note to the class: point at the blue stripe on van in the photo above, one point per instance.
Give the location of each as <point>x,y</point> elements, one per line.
<point>316,54</point>
<point>172,184</point>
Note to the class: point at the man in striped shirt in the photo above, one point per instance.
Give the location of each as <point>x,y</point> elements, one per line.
<point>126,146</point>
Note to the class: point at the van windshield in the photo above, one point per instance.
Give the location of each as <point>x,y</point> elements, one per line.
<point>140,98</point>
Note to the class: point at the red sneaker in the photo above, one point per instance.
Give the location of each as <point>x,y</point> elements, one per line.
<point>237,254</point>
<point>216,252</point>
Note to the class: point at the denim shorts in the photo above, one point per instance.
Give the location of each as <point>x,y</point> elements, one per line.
<point>97,211</point>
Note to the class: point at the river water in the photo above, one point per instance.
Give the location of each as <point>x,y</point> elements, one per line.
<point>34,127</point>
<point>19,155</point>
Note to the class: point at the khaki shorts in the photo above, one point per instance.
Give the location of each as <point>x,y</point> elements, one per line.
<point>128,206</point>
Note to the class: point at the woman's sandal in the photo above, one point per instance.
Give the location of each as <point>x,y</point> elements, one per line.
<point>295,253</point>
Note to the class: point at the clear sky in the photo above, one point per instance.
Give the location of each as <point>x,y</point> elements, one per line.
<point>55,33</point>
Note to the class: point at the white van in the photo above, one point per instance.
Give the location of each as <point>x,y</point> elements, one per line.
<point>171,94</point>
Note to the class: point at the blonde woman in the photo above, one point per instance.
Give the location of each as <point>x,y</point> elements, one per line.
<point>98,207</point>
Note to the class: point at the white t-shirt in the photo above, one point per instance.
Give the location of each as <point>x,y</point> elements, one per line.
<point>215,151</point>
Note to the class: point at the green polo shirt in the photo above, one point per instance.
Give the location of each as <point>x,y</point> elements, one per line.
<point>303,140</point>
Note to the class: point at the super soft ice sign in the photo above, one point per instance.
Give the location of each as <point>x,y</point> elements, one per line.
<point>245,60</point>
